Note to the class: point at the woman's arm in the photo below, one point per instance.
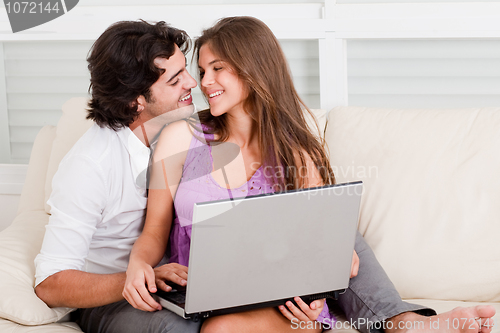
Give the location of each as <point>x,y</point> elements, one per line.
<point>148,250</point>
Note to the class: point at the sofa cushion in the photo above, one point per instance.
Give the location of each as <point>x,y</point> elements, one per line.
<point>19,245</point>
<point>321,120</point>
<point>33,194</point>
<point>431,191</point>
<point>11,327</point>
<point>21,242</point>
<point>70,128</point>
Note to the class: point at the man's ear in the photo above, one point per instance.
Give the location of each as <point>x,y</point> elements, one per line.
<point>141,103</point>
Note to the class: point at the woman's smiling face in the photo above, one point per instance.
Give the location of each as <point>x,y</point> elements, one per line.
<point>219,82</point>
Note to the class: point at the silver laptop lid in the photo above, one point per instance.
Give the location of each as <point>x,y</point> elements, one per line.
<point>257,249</point>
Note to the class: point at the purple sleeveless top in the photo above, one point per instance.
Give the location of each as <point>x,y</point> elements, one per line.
<point>198,185</point>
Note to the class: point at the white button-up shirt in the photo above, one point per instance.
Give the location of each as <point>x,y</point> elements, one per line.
<point>97,204</point>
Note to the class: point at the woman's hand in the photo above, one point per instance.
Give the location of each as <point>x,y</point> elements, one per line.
<point>176,273</point>
<point>305,313</point>
<point>354,265</point>
<point>142,275</point>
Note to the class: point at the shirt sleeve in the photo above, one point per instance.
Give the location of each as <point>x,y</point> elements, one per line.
<point>77,202</point>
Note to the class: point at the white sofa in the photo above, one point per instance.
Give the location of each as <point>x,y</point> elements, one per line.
<point>430,208</point>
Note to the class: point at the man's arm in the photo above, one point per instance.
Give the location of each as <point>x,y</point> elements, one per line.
<point>78,198</point>
<point>77,289</point>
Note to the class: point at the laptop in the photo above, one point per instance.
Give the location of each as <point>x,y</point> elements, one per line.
<point>261,251</point>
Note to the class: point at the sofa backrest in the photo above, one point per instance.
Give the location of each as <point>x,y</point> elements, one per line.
<point>430,208</point>
<point>21,242</point>
<point>32,196</point>
<point>72,125</point>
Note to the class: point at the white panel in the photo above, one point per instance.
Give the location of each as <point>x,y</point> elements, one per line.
<point>24,134</point>
<point>415,20</point>
<point>40,78</point>
<point>425,101</point>
<point>40,101</point>
<point>404,1</point>
<point>425,85</point>
<point>424,67</point>
<point>34,117</point>
<point>11,182</point>
<point>45,67</point>
<point>51,50</point>
<point>424,73</point>
<point>40,85</point>
<point>20,151</point>
<point>333,72</point>
<point>12,178</point>
<point>312,101</point>
<point>418,49</point>
<point>299,49</point>
<point>88,22</point>
<point>184,2</point>
<point>4,117</point>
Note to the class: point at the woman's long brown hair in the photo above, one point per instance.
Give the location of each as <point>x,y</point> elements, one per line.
<point>252,50</point>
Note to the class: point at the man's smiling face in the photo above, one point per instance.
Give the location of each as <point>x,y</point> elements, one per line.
<point>172,90</point>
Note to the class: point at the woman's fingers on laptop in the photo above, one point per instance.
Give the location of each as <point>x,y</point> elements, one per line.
<point>162,285</point>
<point>171,272</point>
<point>284,311</point>
<point>313,310</point>
<point>304,312</point>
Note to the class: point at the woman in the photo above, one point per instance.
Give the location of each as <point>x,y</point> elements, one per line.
<point>253,104</point>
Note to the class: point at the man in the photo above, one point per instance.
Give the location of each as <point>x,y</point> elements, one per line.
<point>138,72</point>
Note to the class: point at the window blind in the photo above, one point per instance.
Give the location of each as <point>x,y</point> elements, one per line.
<point>424,73</point>
<point>41,76</point>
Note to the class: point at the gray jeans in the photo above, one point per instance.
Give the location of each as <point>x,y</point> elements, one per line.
<point>371,295</point>
<point>121,317</point>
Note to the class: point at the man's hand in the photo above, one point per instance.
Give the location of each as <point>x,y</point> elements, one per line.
<point>142,280</point>
<point>354,265</point>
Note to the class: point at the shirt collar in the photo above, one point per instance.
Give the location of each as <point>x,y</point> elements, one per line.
<point>139,155</point>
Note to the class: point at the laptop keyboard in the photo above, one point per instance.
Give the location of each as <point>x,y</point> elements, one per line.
<point>177,297</point>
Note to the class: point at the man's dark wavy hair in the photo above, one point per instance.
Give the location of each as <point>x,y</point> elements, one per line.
<point>121,65</point>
